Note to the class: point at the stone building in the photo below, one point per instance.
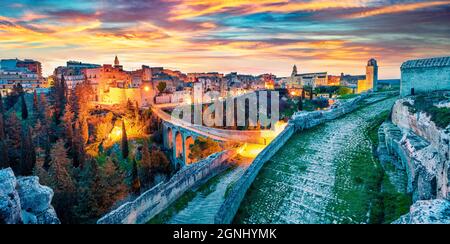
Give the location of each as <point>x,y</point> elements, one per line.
<point>298,81</point>
<point>25,72</point>
<point>107,76</point>
<point>425,75</point>
<point>73,72</point>
<point>371,79</point>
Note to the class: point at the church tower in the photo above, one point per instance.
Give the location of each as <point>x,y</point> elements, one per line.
<point>116,62</point>
<point>372,74</point>
<point>294,71</point>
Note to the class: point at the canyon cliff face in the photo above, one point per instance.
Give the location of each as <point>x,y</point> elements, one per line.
<point>24,201</point>
<point>413,143</point>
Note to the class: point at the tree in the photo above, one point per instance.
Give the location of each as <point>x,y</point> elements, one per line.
<point>125,149</point>
<point>68,124</point>
<point>112,187</point>
<point>35,109</point>
<point>87,207</point>
<point>35,101</point>
<point>344,91</point>
<point>60,168</point>
<point>24,108</point>
<point>13,96</point>
<point>161,86</point>
<point>203,147</point>
<point>135,181</point>
<point>84,129</point>
<point>62,182</point>
<point>2,128</point>
<point>300,104</point>
<point>146,165</point>
<point>78,147</point>
<point>2,109</point>
<point>13,133</point>
<point>28,154</point>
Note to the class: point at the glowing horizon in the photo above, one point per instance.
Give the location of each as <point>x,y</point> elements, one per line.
<point>269,36</point>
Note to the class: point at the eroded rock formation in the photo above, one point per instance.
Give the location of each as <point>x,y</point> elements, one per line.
<point>24,200</point>
<point>414,143</point>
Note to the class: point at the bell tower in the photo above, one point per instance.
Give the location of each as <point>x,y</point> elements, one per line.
<point>372,74</point>
<point>116,62</point>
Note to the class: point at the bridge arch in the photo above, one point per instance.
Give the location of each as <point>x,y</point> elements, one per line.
<point>169,138</point>
<point>178,149</point>
<point>190,140</point>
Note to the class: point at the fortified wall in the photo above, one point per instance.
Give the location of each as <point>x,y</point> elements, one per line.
<point>155,200</point>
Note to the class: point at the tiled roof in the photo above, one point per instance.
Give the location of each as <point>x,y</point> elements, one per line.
<point>425,63</point>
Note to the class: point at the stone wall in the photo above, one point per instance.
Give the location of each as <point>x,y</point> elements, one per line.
<point>233,199</point>
<point>416,145</point>
<point>24,201</point>
<point>155,200</point>
<point>299,121</point>
<point>424,80</point>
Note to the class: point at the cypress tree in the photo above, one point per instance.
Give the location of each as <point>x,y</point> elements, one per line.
<point>35,101</point>
<point>2,109</point>
<point>135,181</point>
<point>24,108</point>
<point>125,150</point>
<point>2,128</point>
<point>300,104</point>
<point>13,133</point>
<point>28,154</point>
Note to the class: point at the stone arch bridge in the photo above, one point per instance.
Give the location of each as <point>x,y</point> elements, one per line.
<point>179,135</point>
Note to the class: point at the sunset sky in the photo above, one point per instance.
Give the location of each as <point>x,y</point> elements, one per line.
<point>247,36</point>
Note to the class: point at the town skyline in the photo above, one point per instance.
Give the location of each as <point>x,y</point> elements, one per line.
<point>255,38</point>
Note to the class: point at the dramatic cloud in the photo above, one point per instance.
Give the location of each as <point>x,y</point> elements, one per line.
<point>227,35</point>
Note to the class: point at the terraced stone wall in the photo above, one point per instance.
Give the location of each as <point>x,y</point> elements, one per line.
<point>155,200</point>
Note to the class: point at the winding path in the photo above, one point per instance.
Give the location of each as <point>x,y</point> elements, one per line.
<point>309,180</point>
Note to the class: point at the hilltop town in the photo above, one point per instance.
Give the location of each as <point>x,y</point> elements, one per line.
<point>103,133</point>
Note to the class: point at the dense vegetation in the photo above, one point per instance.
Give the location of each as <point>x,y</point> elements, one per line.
<point>93,158</point>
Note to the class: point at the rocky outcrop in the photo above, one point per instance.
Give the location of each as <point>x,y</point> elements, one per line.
<point>10,210</point>
<point>427,212</point>
<point>24,200</point>
<point>412,142</point>
<point>424,150</point>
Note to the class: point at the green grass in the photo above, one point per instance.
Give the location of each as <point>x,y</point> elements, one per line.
<point>424,103</point>
<point>372,198</point>
<point>348,96</point>
<point>211,184</point>
<point>174,208</point>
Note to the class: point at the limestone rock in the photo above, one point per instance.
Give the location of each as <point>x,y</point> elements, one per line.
<point>34,197</point>
<point>9,198</point>
<point>48,217</point>
<point>427,212</point>
<point>24,200</point>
